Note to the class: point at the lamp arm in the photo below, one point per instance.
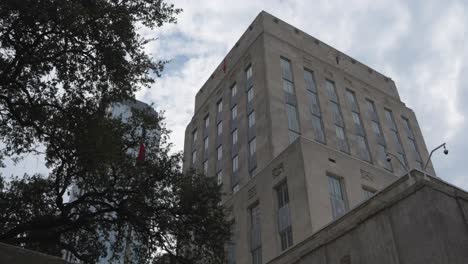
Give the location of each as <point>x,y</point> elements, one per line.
<point>430,155</point>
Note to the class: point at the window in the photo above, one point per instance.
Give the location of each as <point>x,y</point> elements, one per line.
<point>367,193</point>
<point>205,144</point>
<point>310,81</point>
<point>337,199</point>
<point>284,216</point>
<point>376,129</point>
<point>194,136</point>
<point>194,156</point>
<point>409,131</point>
<point>234,137</point>
<point>219,152</point>
<point>337,118</point>
<point>356,119</point>
<point>235,163</point>
<point>248,73</point>
<point>219,128</point>
<point>219,177</point>
<point>341,139</point>
<point>288,83</point>
<point>412,143</point>
<point>205,167</point>
<point>317,124</point>
<point>220,106</point>
<point>253,147</point>
<point>234,90</point>
<point>352,101</point>
<point>235,188</point>
<point>231,246</point>
<point>293,123</point>
<point>286,69</point>
<point>363,149</point>
<point>207,122</point>
<point>291,111</point>
<point>314,103</point>
<point>250,94</point>
<point>283,195</point>
<point>382,155</point>
<point>371,109</point>
<point>331,92</point>
<point>318,129</point>
<point>234,112</point>
<point>288,87</point>
<point>389,118</point>
<point>252,119</point>
<point>255,235</point>
<point>396,140</point>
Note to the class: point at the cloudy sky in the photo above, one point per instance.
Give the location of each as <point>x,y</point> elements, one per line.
<point>421,44</point>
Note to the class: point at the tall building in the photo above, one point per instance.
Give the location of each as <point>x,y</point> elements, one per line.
<point>123,111</point>
<point>297,133</point>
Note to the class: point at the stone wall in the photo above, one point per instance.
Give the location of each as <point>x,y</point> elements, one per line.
<point>16,255</point>
<point>416,220</point>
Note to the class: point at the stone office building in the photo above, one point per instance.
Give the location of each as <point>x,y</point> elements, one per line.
<point>296,132</point>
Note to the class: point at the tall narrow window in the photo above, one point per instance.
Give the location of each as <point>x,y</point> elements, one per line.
<point>253,147</point>
<point>235,163</point>
<point>341,140</point>
<point>252,119</point>
<point>248,73</point>
<point>293,123</point>
<point>219,128</point>
<point>412,143</point>
<point>231,246</point>
<point>220,106</point>
<point>291,109</point>
<point>205,167</point>
<point>234,137</point>
<point>219,177</point>
<point>336,197</point>
<point>359,132</point>
<point>255,235</point>
<point>234,112</point>
<point>207,122</point>
<point>396,140</point>
<point>284,216</point>
<point>377,129</point>
<point>317,123</point>
<point>250,94</point>
<point>205,144</point>
<point>234,90</point>
<point>219,152</point>
<point>194,157</point>
<point>194,136</point>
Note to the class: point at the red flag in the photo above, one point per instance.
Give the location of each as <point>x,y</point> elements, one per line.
<point>224,65</point>
<point>141,152</point>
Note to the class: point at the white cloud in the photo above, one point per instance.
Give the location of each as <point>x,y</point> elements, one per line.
<point>420,44</point>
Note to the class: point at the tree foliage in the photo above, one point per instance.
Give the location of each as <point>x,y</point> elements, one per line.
<point>63,65</point>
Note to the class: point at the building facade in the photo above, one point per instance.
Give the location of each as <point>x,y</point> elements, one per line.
<point>296,132</point>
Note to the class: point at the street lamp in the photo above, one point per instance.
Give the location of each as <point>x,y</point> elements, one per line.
<point>388,154</point>
<point>430,155</point>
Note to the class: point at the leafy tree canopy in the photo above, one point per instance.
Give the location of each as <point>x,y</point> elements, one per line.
<point>63,65</point>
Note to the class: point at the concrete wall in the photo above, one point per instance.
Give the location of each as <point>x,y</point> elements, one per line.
<point>11,254</point>
<point>418,221</point>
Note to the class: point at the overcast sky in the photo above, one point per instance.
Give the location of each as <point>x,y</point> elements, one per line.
<point>421,45</point>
